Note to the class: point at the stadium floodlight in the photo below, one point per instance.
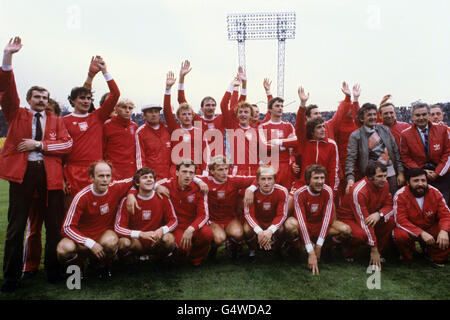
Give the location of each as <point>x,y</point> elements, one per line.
<point>263,26</point>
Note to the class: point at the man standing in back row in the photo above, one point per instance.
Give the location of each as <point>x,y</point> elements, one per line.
<point>31,161</point>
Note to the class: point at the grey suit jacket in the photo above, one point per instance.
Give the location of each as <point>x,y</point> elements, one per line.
<point>358,151</point>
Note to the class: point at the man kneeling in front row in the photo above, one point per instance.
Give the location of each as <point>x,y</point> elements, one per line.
<point>148,230</point>
<point>89,223</point>
<point>314,209</point>
<point>265,217</point>
<point>421,214</point>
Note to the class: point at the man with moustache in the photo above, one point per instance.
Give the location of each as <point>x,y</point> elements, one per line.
<point>421,214</point>
<point>31,161</point>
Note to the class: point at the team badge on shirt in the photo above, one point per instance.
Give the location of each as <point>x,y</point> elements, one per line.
<point>211,125</point>
<point>168,144</point>
<point>221,194</point>
<point>146,214</point>
<point>132,130</point>
<point>429,213</point>
<point>83,126</point>
<point>266,205</point>
<point>314,207</point>
<point>437,147</point>
<point>52,135</point>
<point>104,209</point>
<point>191,198</point>
<point>248,135</point>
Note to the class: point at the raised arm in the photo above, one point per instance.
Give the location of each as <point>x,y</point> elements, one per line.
<point>93,70</point>
<point>266,84</point>
<point>342,110</point>
<point>10,101</point>
<point>243,77</point>
<point>226,113</point>
<point>184,70</point>
<point>172,124</point>
<point>108,106</point>
<point>300,121</point>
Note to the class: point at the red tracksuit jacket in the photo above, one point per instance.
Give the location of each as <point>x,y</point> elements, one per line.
<point>119,146</point>
<point>363,200</point>
<point>409,216</point>
<point>56,139</point>
<point>413,153</point>
<point>153,149</point>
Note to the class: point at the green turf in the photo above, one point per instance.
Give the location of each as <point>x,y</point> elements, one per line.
<point>268,278</point>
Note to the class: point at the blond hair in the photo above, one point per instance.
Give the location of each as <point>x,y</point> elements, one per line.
<point>243,105</point>
<point>182,107</point>
<point>217,160</point>
<point>265,170</point>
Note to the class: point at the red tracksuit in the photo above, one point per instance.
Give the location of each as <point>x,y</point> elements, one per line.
<point>119,146</point>
<point>86,131</point>
<point>411,221</point>
<point>363,200</point>
<point>189,140</point>
<point>281,130</point>
<point>56,140</point>
<point>222,197</point>
<point>323,152</point>
<point>153,214</point>
<point>268,210</point>
<point>153,149</point>
<point>413,153</point>
<point>314,214</point>
<point>191,208</point>
<point>91,214</point>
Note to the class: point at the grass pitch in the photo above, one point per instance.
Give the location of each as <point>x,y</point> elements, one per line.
<point>268,278</point>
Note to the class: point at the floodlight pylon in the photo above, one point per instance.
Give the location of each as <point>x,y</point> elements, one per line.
<point>263,26</point>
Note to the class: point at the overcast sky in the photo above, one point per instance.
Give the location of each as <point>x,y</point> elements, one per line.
<point>397,47</point>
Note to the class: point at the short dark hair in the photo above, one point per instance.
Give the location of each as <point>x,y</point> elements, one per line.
<point>365,107</point>
<point>205,99</point>
<point>436,106</point>
<point>420,105</point>
<point>309,108</point>
<point>186,163</point>
<point>91,169</point>
<point>311,125</point>
<point>415,172</point>
<point>56,106</point>
<point>314,168</point>
<point>273,100</point>
<point>36,88</point>
<point>372,168</point>
<point>142,172</point>
<point>78,91</point>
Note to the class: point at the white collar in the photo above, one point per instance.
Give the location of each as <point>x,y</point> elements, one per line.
<point>98,194</point>
<point>146,198</point>
<point>80,115</point>
<point>270,192</point>
<point>312,193</point>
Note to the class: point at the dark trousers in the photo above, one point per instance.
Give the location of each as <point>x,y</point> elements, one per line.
<point>443,185</point>
<point>50,203</point>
